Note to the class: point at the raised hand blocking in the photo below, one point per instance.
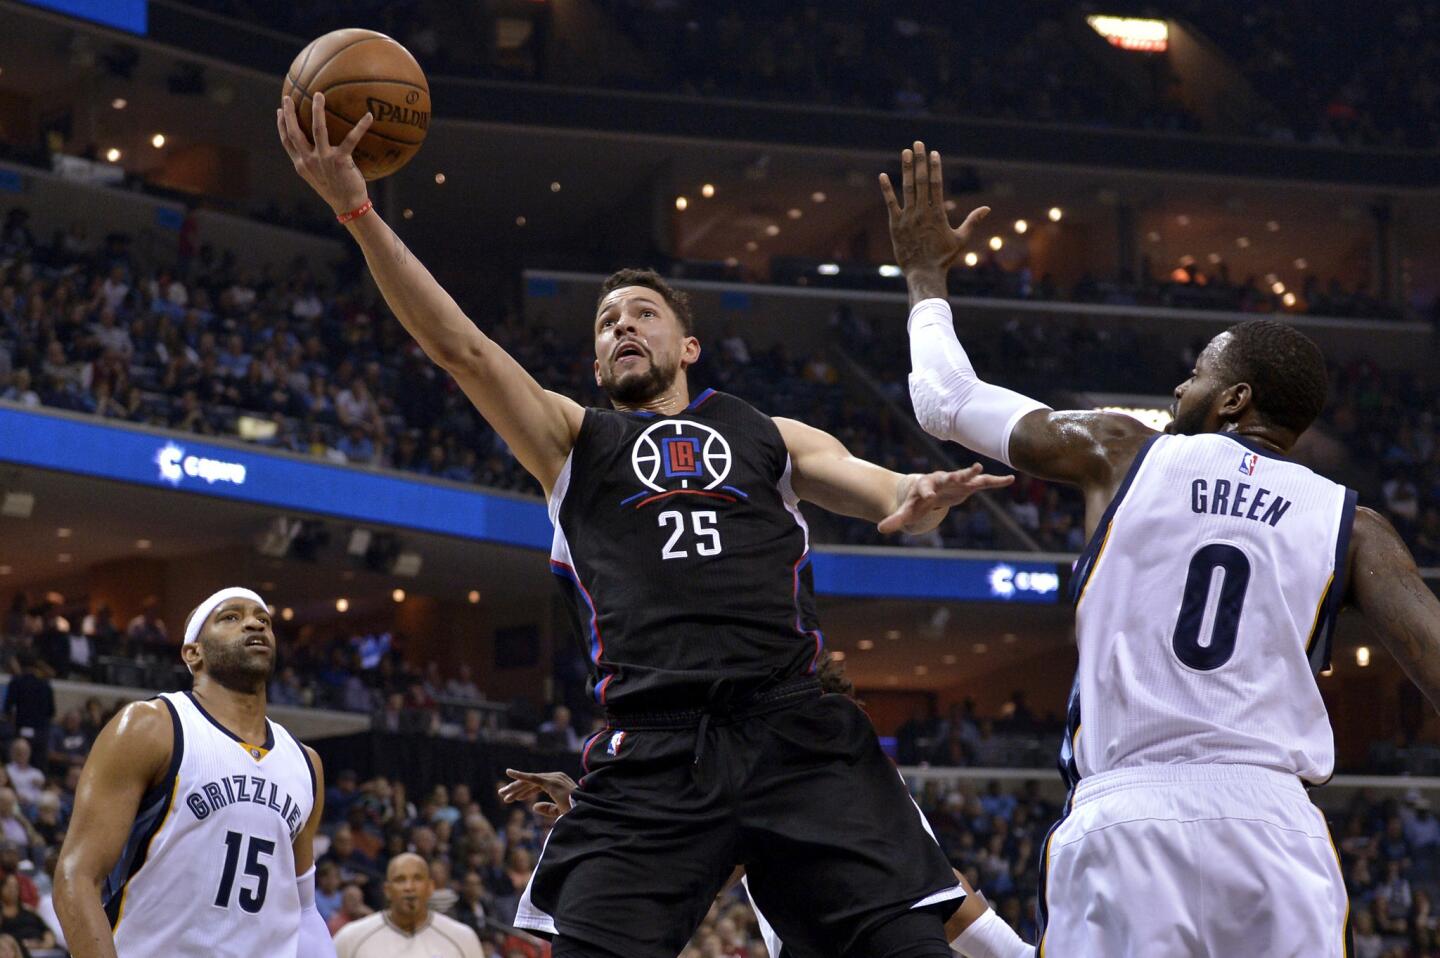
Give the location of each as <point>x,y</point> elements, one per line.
<point>920,230</point>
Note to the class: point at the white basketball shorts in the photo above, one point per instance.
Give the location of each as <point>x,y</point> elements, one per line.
<point>1192,861</point>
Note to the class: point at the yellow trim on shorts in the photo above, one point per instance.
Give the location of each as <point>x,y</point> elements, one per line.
<point>125,893</point>
<point>1344,938</point>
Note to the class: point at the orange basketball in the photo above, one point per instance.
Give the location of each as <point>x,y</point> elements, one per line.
<point>361,71</point>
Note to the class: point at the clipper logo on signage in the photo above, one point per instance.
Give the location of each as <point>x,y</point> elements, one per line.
<point>1005,582</point>
<point>175,466</point>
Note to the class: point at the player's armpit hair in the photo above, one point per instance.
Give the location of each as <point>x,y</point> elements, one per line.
<point>1285,369</point>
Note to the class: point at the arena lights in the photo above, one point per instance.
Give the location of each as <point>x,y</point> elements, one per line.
<point>817,197</point>
<point>708,191</point>
<point>949,658</point>
<point>1302,263</point>
<point>1153,236</point>
<point>1137,34</point>
<point>1272,226</point>
<point>1055,214</point>
<point>996,243</point>
<point>342,605</point>
<point>287,613</point>
<point>865,645</point>
<point>5,570</point>
<point>1214,259</point>
<point>731,262</point>
<point>890,270</point>
<point>521,221</point>
<point>1288,299</point>
<point>1362,656</point>
<point>63,558</point>
<point>113,155</point>
<point>837,656</point>
<point>1156,419</point>
<point>158,140</point>
<point>795,212</point>
<point>892,634</point>
<point>828,269</point>
<point>64,533</point>
<point>892,680</point>
<point>474,597</point>
<point>921,669</point>
<point>1183,220</point>
<point>398,595</point>
<point>981,648</point>
<point>1327,671</point>
<point>439,179</point>
<point>119,103</point>
<point>772,230</point>
<point>408,213</point>
<point>751,246</point>
<point>555,186</point>
<point>1277,287</point>
<point>143,544</point>
<point>1021,226</point>
<point>972,259</point>
<point>1009,638</point>
<point>682,203</point>
<point>1243,242</point>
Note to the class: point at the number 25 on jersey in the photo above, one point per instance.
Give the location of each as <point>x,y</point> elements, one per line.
<point>705,539</point>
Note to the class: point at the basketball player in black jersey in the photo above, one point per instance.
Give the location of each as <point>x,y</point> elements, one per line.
<point>680,544</point>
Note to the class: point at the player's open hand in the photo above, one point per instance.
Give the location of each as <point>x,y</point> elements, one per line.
<point>529,785</point>
<point>330,170</point>
<point>924,499</point>
<point>920,230</point>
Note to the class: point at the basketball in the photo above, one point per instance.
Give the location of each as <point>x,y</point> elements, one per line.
<point>362,71</point>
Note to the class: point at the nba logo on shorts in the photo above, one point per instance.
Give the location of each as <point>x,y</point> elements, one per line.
<point>1248,462</point>
<point>615,741</point>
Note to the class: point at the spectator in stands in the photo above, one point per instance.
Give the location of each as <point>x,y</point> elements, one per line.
<point>469,910</point>
<point>463,685</point>
<point>25,779</point>
<point>327,890</point>
<point>352,908</point>
<point>11,867</point>
<point>15,828</point>
<point>147,629</point>
<point>29,700</point>
<point>19,920</point>
<point>340,795</point>
<point>558,731</point>
<point>69,742</point>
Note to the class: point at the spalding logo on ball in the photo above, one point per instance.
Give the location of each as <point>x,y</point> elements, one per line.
<point>361,71</point>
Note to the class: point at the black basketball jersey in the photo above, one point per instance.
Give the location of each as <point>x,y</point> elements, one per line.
<point>681,547</point>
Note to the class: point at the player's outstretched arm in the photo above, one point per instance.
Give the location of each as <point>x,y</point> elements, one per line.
<point>538,425</point>
<point>822,471</point>
<point>1086,448</point>
<point>1387,588</point>
<point>131,755</point>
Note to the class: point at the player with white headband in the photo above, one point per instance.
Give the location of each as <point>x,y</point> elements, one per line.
<point>196,815</point>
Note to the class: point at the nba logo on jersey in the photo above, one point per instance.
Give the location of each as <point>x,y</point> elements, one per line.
<point>1248,462</point>
<point>615,742</point>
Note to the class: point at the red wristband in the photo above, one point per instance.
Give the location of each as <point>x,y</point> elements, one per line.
<point>356,213</point>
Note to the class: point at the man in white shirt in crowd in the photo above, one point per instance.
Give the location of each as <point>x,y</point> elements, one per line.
<point>26,779</point>
<point>407,928</point>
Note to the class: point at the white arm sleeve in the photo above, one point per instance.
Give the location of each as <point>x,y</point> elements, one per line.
<point>950,401</point>
<point>989,937</point>
<point>315,941</point>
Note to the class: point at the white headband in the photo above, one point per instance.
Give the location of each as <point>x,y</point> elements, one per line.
<point>203,610</point>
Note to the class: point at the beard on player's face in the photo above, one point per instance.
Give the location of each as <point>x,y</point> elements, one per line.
<point>230,663</point>
<point>635,386</point>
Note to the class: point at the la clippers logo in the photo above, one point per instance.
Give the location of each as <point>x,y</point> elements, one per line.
<point>1248,464</point>
<point>681,454</point>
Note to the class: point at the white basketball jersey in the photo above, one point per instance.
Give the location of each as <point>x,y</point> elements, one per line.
<point>208,869</point>
<point>1204,608</point>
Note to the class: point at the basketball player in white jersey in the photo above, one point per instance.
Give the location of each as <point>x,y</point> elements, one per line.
<point>1204,607</point>
<point>195,815</point>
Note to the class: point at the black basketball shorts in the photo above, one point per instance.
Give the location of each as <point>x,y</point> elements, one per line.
<point>797,791</point>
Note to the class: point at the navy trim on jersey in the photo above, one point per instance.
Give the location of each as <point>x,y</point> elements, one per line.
<point>1253,446</point>
<point>1068,762</point>
<point>1324,630</point>
<point>269,730</point>
<point>597,643</point>
<point>1086,563</point>
<point>310,767</point>
<point>153,810</point>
